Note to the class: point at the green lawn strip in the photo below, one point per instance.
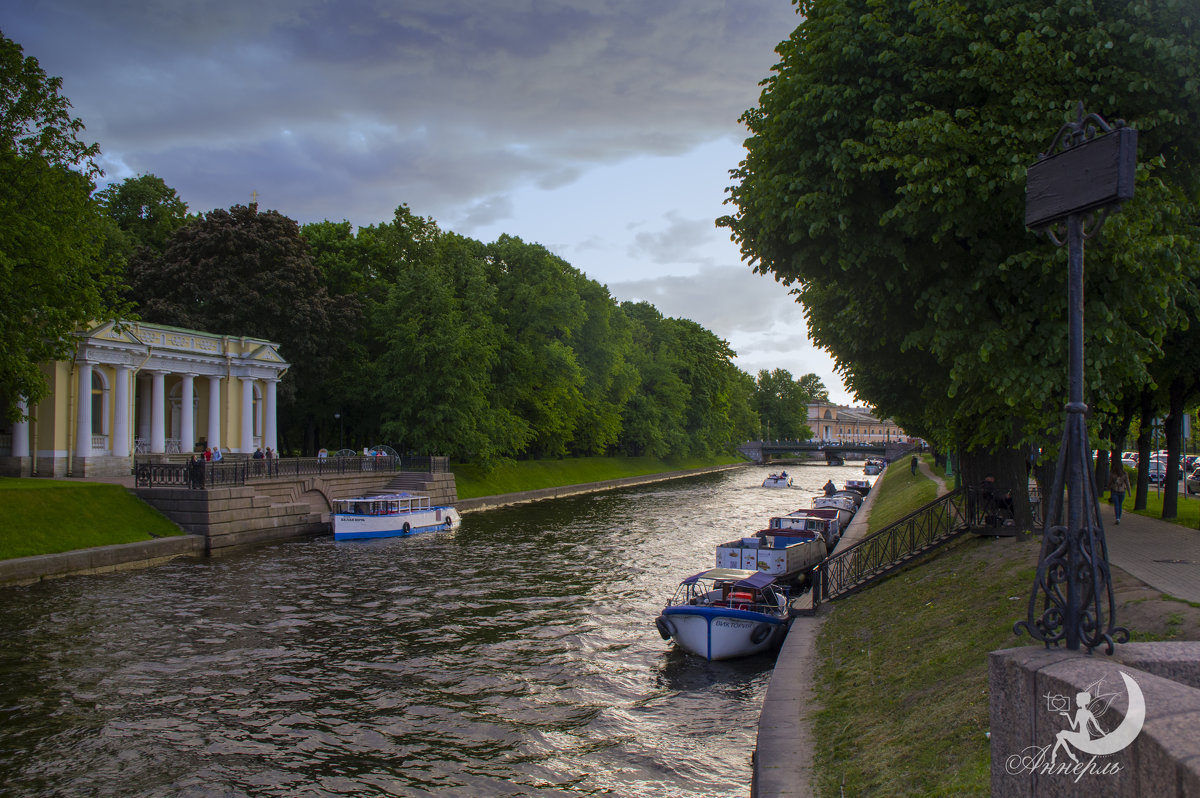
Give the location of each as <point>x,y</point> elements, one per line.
<point>521,475</point>
<point>900,492</point>
<point>50,516</point>
<point>1187,508</point>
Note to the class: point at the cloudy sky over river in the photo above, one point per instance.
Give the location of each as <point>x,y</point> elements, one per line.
<point>604,130</point>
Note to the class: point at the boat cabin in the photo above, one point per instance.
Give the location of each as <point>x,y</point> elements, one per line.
<point>391,504</point>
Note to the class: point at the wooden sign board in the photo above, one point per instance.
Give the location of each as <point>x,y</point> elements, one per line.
<point>1091,175</point>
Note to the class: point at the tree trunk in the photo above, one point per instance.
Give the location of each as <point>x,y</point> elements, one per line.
<point>1009,468</point>
<point>1143,446</point>
<point>1174,431</point>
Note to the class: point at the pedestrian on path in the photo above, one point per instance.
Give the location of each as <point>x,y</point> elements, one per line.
<point>913,468</point>
<point>1118,486</point>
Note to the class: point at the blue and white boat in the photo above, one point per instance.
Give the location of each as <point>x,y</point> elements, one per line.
<point>389,516</point>
<point>724,613</point>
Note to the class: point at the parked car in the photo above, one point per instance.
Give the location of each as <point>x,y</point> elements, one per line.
<point>1156,472</point>
<point>1192,482</point>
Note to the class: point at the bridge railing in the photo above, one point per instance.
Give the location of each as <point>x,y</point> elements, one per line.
<point>891,547</point>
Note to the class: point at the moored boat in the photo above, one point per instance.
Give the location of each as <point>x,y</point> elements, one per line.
<point>390,515</point>
<point>778,481</point>
<point>787,557</point>
<point>724,613</point>
<point>823,520</point>
<point>860,485</point>
<point>872,467</point>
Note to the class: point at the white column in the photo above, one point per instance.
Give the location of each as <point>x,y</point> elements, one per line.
<point>120,436</point>
<point>143,400</point>
<point>269,429</point>
<point>20,431</point>
<point>83,414</point>
<point>187,408</point>
<point>247,414</point>
<point>158,413</point>
<point>214,412</point>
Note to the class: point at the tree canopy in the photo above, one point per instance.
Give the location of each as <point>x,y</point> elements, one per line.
<point>884,181</point>
<point>53,279</point>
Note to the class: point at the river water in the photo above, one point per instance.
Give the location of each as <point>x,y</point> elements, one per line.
<point>516,656</point>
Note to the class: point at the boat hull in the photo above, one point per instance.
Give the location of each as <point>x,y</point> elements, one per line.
<point>718,633</point>
<point>361,527</point>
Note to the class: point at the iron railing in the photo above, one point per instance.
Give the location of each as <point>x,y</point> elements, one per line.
<point>231,472</point>
<point>891,547</point>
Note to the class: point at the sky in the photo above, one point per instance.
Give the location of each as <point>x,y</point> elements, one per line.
<point>603,130</point>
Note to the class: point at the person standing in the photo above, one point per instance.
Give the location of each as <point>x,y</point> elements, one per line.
<point>1118,486</point>
<point>913,468</point>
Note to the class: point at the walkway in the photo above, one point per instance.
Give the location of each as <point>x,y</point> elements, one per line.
<point>1165,556</point>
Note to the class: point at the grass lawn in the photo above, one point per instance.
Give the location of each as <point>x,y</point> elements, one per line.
<point>902,670</point>
<point>472,481</point>
<point>1188,507</point>
<point>43,516</point>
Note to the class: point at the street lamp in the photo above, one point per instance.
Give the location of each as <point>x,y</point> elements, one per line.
<point>1087,172</point>
<point>342,431</point>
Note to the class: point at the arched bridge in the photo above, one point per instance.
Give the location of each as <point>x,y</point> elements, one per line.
<point>761,451</point>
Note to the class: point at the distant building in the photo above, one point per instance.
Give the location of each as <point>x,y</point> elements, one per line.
<point>830,422</point>
<point>151,391</point>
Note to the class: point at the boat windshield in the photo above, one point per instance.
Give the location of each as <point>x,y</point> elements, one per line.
<point>392,504</point>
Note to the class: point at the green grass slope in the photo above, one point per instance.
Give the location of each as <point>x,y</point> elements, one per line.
<point>44,516</point>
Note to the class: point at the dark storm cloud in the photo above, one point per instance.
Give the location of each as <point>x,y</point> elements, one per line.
<point>347,109</point>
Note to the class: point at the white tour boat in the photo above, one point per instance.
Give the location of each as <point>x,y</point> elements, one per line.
<point>788,557</point>
<point>778,481</point>
<point>390,515</point>
<point>723,613</point>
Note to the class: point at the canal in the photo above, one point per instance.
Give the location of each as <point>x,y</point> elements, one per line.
<point>516,656</point>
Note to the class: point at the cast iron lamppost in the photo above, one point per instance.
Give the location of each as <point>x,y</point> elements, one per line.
<point>1086,173</point>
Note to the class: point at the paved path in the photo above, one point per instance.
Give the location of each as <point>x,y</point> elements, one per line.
<point>1165,556</point>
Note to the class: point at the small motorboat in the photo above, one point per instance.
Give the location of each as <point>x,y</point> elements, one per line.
<point>873,467</point>
<point>781,480</point>
<point>724,613</point>
<point>859,485</point>
<point>388,516</point>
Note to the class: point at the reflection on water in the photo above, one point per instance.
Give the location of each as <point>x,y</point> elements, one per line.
<point>517,656</point>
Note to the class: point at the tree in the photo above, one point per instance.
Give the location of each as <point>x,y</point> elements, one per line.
<point>782,402</point>
<point>242,272</point>
<point>884,179</point>
<point>146,209</point>
<point>53,279</point>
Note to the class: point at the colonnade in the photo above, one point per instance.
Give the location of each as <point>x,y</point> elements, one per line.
<point>152,413</point>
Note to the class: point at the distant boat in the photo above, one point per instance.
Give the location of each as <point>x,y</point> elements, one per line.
<point>873,467</point>
<point>389,516</point>
<point>778,481</point>
<point>724,613</point>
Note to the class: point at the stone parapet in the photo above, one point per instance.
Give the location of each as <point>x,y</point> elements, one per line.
<point>521,497</point>
<point>26,570</point>
<point>1035,694</point>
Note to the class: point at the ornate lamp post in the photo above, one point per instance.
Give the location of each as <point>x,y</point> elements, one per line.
<point>1086,173</point>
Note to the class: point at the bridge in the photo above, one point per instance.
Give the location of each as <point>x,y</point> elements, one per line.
<point>762,451</point>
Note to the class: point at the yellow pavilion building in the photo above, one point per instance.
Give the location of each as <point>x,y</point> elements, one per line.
<point>150,391</point>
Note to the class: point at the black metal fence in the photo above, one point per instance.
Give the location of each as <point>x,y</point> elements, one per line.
<point>891,547</point>
<point>234,472</point>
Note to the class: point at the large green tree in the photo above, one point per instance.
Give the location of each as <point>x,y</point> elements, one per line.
<point>53,278</point>
<point>782,403</point>
<point>244,272</point>
<point>884,181</point>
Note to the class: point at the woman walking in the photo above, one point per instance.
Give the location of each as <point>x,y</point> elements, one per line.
<point>1118,485</point>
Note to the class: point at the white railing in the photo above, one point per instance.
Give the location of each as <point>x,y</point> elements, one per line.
<point>99,444</point>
